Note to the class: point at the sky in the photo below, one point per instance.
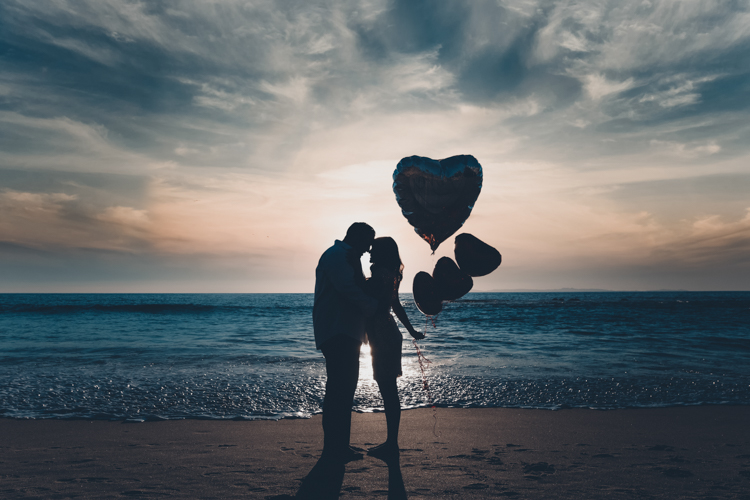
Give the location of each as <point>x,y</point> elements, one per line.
<point>222,146</point>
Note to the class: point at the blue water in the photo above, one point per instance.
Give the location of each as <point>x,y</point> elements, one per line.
<point>223,356</point>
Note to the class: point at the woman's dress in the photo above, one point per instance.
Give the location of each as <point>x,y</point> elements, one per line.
<point>382,331</point>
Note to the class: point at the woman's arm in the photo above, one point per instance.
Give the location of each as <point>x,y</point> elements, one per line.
<point>404,319</point>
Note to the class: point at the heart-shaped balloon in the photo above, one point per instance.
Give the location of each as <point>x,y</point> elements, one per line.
<point>426,294</point>
<point>437,196</point>
<point>474,256</point>
<point>452,283</point>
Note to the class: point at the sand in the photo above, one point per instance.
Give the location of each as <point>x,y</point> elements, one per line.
<point>686,452</point>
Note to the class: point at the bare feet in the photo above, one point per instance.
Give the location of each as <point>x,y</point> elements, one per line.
<point>345,455</point>
<point>384,451</point>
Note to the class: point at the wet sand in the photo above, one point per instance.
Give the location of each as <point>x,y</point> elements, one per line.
<point>686,452</point>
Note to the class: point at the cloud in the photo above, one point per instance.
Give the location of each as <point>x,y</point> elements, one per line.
<point>256,130</point>
<point>713,243</point>
<point>680,91</point>
<point>598,86</point>
<point>686,151</point>
<point>59,220</point>
<point>125,216</point>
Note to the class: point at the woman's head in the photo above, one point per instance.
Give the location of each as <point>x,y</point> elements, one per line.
<point>384,252</point>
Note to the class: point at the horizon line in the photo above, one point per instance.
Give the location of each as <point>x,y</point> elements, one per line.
<point>508,290</point>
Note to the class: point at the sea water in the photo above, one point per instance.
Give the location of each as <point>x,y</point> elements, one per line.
<point>248,356</point>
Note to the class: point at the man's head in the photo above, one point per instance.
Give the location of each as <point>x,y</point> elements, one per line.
<point>360,236</point>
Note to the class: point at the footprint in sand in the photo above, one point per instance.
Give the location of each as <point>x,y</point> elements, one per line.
<point>660,447</point>
<point>539,468</point>
<point>676,472</point>
<point>476,486</point>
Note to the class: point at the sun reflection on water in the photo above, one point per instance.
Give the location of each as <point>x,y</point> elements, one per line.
<point>365,363</point>
<point>367,388</point>
<point>410,383</point>
<point>409,363</point>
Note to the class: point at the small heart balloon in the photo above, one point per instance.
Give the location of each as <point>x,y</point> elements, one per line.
<point>425,294</point>
<point>474,256</point>
<point>452,283</point>
<point>437,196</point>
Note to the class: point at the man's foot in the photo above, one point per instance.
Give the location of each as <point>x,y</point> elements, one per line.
<point>384,451</point>
<point>343,456</point>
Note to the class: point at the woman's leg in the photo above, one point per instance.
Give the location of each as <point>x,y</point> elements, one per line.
<point>389,393</point>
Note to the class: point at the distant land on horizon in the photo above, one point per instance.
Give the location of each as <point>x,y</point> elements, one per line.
<point>562,290</point>
<point>496,290</point>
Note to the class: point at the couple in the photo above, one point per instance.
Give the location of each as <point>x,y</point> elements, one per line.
<point>349,310</point>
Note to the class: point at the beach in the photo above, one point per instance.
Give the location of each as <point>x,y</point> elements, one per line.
<point>678,452</point>
<point>538,395</point>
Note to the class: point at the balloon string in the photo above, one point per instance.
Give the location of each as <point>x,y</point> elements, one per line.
<point>423,361</point>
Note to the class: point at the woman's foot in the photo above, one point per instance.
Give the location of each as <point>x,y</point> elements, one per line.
<point>385,450</point>
<point>344,455</point>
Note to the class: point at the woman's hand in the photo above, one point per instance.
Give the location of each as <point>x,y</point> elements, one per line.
<point>401,315</point>
<point>417,335</point>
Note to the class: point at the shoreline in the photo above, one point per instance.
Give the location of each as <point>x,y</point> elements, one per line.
<point>684,451</point>
<point>153,419</point>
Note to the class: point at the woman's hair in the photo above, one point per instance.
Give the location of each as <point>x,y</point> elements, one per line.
<point>385,254</point>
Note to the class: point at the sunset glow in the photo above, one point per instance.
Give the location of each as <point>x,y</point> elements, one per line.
<point>222,146</point>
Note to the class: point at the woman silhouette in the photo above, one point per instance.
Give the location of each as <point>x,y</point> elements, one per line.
<point>384,335</point>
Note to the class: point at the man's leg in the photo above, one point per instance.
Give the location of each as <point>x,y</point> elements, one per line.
<point>342,370</point>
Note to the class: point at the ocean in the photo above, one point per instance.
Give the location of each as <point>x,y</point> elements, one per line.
<point>139,357</point>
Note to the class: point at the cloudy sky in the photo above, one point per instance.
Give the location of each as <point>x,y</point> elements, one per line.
<point>221,146</point>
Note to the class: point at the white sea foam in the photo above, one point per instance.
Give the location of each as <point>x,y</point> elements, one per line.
<point>167,356</point>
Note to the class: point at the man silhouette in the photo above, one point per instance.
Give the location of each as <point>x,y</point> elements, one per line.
<point>339,313</point>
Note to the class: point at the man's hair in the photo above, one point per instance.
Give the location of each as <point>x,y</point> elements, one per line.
<point>360,231</point>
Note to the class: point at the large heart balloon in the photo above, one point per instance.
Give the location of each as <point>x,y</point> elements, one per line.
<point>437,196</point>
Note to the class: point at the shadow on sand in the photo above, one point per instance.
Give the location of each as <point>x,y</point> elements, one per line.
<point>325,480</point>
<point>396,488</point>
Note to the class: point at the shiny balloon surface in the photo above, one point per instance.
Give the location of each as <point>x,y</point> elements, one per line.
<point>437,196</point>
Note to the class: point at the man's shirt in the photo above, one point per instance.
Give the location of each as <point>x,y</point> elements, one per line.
<point>340,305</point>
